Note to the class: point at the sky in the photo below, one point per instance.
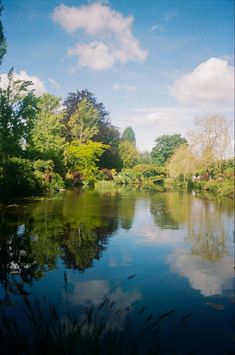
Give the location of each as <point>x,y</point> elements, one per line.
<point>155,64</point>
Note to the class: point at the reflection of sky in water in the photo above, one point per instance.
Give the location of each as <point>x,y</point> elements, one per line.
<point>209,278</point>
<point>180,248</point>
<point>206,276</point>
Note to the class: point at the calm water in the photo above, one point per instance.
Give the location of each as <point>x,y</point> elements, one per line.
<point>80,246</point>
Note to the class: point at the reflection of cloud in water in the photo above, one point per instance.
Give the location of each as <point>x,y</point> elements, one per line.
<point>92,291</point>
<point>209,278</point>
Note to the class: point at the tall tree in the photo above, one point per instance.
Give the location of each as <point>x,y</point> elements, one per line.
<point>128,154</point>
<point>83,123</point>
<point>3,44</point>
<point>165,147</point>
<point>46,137</point>
<point>129,135</point>
<point>106,132</point>
<point>182,162</point>
<point>18,108</point>
<point>210,139</point>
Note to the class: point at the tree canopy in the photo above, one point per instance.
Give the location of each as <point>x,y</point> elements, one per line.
<point>18,109</point>
<point>129,135</point>
<point>165,146</point>
<point>3,44</point>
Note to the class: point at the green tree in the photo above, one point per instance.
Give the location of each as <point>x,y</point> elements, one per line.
<point>128,154</point>
<point>83,157</point>
<point>83,123</point>
<point>18,109</point>
<point>165,147</point>
<point>105,133</point>
<point>3,45</point>
<point>46,138</point>
<point>129,135</point>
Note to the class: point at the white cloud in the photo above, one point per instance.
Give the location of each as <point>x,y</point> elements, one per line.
<point>152,122</point>
<point>38,84</point>
<point>128,89</point>
<point>95,55</point>
<point>114,40</point>
<point>54,84</point>
<point>210,83</point>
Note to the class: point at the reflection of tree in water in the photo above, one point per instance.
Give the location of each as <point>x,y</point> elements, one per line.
<point>170,210</point>
<point>83,244</point>
<point>33,237</point>
<point>207,231</point>
<point>204,220</point>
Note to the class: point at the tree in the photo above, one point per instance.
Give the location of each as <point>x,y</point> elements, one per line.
<point>18,109</point>
<point>3,45</point>
<point>128,154</point>
<point>106,132</point>
<point>109,134</point>
<point>83,123</point>
<point>47,131</point>
<point>73,100</point>
<point>129,135</point>
<point>83,157</point>
<point>165,146</point>
<point>210,139</point>
<point>182,162</point>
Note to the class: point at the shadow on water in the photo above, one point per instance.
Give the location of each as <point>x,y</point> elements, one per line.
<point>104,328</point>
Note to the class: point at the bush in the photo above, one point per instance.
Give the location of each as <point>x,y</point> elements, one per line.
<point>19,179</point>
<point>22,177</point>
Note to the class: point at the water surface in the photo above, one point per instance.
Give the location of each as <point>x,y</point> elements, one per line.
<point>77,247</point>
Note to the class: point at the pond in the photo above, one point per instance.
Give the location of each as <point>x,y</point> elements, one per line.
<point>164,255</point>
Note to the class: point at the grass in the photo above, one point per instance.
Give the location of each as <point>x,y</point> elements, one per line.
<point>106,328</point>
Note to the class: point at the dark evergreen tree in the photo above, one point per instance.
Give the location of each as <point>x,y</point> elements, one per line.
<point>129,135</point>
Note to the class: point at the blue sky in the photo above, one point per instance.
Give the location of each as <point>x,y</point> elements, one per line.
<point>155,64</point>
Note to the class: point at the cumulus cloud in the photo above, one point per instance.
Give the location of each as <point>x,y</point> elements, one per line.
<point>210,83</point>
<point>38,84</point>
<point>113,42</point>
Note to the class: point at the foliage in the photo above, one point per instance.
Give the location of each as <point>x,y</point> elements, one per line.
<point>145,158</point>
<point>108,134</point>
<point>18,108</point>
<point>83,123</point>
<point>102,329</point>
<point>165,147</point>
<point>22,177</point>
<point>182,162</point>
<point>3,45</point>
<point>83,157</point>
<point>210,140</point>
<point>73,100</point>
<point>142,174</point>
<point>19,178</point>
<point>47,131</point>
<point>129,135</point>
<point>128,154</point>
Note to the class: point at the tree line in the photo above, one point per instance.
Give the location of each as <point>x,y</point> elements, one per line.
<point>48,144</point>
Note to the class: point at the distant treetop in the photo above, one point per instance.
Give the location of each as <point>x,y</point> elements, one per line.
<point>129,135</point>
